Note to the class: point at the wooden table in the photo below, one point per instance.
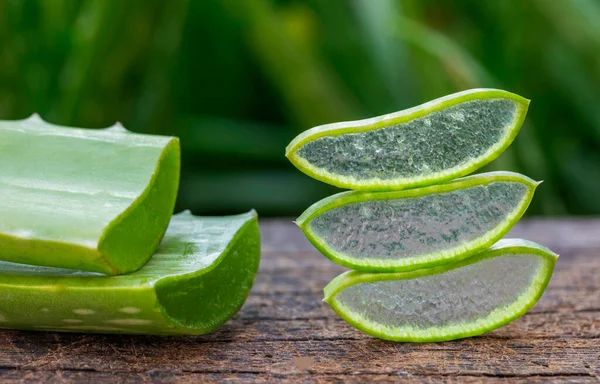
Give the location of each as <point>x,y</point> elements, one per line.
<point>285,333</point>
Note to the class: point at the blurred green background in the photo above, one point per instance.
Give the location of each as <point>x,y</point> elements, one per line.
<point>236,80</point>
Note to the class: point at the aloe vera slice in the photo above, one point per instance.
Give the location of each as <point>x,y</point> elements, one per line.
<point>94,200</point>
<point>437,141</point>
<point>199,278</point>
<point>449,302</point>
<point>417,228</point>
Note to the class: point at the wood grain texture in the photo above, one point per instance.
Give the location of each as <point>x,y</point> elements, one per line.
<point>285,333</point>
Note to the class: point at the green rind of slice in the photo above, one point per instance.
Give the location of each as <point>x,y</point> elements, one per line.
<point>435,142</point>
<point>520,267</point>
<point>199,278</point>
<point>417,228</point>
<point>94,200</point>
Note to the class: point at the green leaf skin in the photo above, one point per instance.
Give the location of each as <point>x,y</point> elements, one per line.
<point>93,200</point>
<point>513,264</point>
<point>199,278</point>
<point>434,142</point>
<point>417,228</point>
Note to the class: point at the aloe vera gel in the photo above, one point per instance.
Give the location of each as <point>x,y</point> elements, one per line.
<point>409,229</point>
<point>420,240</point>
<point>434,142</point>
<point>455,300</point>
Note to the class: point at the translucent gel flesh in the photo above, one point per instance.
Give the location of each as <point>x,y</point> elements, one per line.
<point>436,142</point>
<point>401,228</point>
<point>456,297</point>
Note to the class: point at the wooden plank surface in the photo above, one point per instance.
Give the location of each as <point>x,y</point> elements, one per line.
<point>285,333</point>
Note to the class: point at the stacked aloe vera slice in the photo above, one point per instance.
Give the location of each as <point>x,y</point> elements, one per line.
<point>88,243</point>
<point>423,242</point>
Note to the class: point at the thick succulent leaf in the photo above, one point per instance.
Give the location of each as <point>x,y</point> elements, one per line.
<point>199,278</point>
<point>417,228</point>
<point>95,200</point>
<point>453,301</point>
<point>434,142</point>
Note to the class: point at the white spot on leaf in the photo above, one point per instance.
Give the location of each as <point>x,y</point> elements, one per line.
<point>3,319</point>
<point>73,321</point>
<point>130,310</point>
<point>83,311</point>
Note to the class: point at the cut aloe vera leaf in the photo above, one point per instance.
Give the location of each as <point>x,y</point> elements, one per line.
<point>94,200</point>
<point>199,278</point>
<point>417,228</point>
<point>449,302</point>
<point>437,141</point>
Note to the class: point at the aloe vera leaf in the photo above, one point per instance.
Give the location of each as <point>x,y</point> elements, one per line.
<point>437,141</point>
<point>93,200</point>
<point>417,228</point>
<point>449,302</point>
<point>198,278</point>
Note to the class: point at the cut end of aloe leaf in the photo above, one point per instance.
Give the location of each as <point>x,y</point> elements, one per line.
<point>417,228</point>
<point>97,200</point>
<point>465,299</point>
<point>428,144</point>
<point>198,279</point>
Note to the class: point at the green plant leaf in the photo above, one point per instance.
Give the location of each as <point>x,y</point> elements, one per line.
<point>198,278</point>
<point>417,228</point>
<point>93,200</point>
<point>449,302</point>
<point>431,143</point>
